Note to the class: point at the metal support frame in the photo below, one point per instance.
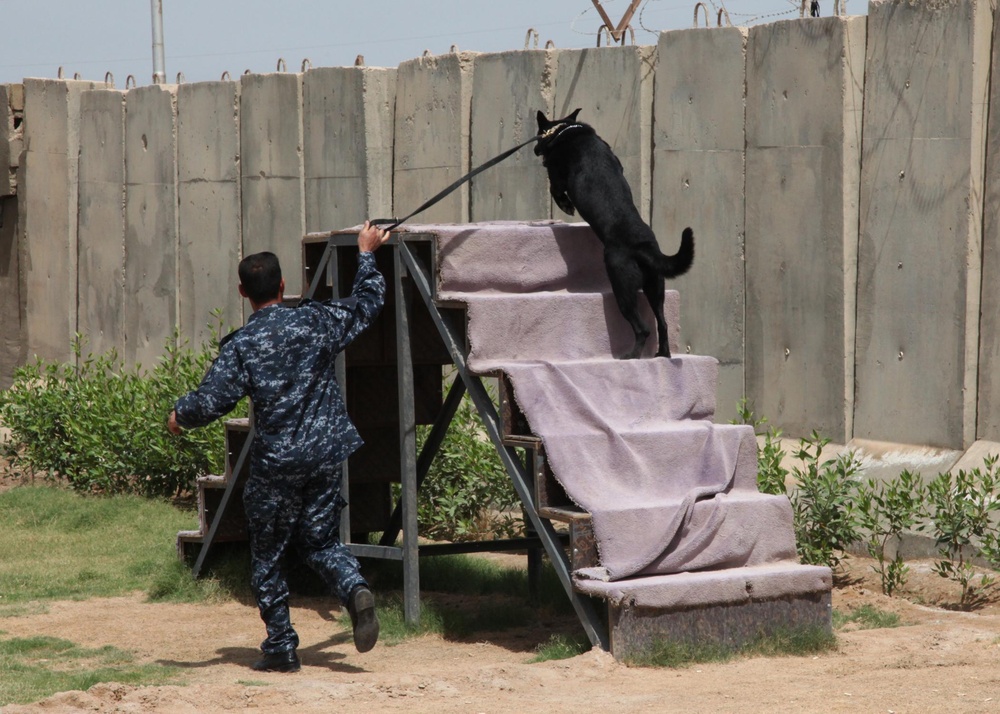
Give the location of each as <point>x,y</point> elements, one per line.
<point>414,469</point>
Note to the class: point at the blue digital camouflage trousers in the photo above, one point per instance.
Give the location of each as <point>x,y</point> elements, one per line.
<point>299,509</point>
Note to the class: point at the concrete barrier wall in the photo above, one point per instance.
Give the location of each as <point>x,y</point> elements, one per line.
<point>348,120</point>
<point>151,285</point>
<point>698,166</point>
<point>431,140</point>
<point>47,215</point>
<point>803,134</point>
<point>271,170</point>
<point>518,188</point>
<point>988,424</point>
<point>209,208</point>
<point>921,221</point>
<point>839,286</point>
<point>101,221</point>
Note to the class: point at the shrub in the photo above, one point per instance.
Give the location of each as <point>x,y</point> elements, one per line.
<point>467,493</point>
<point>884,510</point>
<point>961,506</point>
<point>770,472</point>
<point>102,426</point>
<point>823,503</point>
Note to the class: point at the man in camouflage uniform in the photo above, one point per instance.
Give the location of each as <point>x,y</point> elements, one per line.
<point>283,359</point>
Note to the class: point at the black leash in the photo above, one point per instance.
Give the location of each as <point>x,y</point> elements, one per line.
<point>492,162</point>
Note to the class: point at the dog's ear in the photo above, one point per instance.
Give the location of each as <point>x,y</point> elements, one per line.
<point>572,117</point>
<point>542,121</point>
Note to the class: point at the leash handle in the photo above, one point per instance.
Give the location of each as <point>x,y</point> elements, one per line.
<point>395,222</point>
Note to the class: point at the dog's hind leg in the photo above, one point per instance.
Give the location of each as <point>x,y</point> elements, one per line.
<point>626,281</point>
<point>655,292</point>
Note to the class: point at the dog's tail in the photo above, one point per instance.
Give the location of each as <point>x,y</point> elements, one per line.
<point>677,264</point>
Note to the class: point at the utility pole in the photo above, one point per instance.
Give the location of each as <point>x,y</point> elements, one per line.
<point>159,65</point>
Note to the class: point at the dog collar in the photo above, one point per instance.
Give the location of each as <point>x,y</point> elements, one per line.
<point>556,130</point>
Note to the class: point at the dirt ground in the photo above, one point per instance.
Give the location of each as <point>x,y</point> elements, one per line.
<point>940,660</point>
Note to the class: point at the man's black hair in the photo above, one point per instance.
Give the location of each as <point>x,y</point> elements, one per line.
<point>260,276</point>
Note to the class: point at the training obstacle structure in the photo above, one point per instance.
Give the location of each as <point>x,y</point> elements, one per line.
<point>637,497</point>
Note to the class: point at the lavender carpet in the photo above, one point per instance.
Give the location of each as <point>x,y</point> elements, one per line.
<point>631,442</point>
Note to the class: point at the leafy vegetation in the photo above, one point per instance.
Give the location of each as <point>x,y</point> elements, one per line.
<point>101,425</point>
<point>467,494</point>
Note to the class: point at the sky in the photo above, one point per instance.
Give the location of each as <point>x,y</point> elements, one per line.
<point>204,38</point>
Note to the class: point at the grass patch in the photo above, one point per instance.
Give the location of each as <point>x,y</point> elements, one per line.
<point>866,617</point>
<point>58,544</point>
<point>561,647</point>
<point>795,642</point>
<point>36,667</point>
<point>462,596</point>
<point>469,575</point>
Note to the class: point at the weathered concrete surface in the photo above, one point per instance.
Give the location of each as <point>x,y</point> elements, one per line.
<point>988,419</point>
<point>921,212</point>
<point>101,225</point>
<point>209,212</point>
<point>698,161</point>
<point>48,214</point>
<point>348,127</point>
<point>271,170</point>
<point>614,88</point>
<point>804,92</point>
<point>150,222</point>
<point>517,188</point>
<point>11,144</point>
<point>12,343</point>
<point>433,95</point>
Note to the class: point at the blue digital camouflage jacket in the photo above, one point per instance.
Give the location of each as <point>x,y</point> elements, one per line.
<point>283,359</point>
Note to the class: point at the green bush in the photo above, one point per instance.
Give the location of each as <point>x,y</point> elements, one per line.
<point>467,494</point>
<point>960,508</point>
<point>884,511</point>
<point>823,503</point>
<point>102,425</point>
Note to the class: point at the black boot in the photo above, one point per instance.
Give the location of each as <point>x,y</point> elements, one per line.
<point>361,606</point>
<point>286,661</point>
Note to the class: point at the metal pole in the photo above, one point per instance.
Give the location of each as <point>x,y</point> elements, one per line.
<point>159,64</point>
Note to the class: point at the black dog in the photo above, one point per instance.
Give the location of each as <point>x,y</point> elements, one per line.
<point>586,175</point>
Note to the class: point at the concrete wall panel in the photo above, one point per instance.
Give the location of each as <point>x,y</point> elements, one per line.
<point>48,218</point>
<point>698,162</point>
<point>614,88</point>
<point>150,222</point>
<point>271,170</point>
<point>12,322</point>
<point>921,189</point>
<point>209,211</point>
<point>347,135</point>
<point>517,188</point>
<point>101,225</point>
<point>988,426</point>
<point>433,96</point>
<point>804,84</point>
<point>10,139</point>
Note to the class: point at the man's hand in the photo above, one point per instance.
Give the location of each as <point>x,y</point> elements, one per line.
<point>172,424</point>
<point>370,238</point>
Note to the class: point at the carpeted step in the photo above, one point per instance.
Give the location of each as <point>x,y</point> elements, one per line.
<point>711,587</point>
<point>556,326</point>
